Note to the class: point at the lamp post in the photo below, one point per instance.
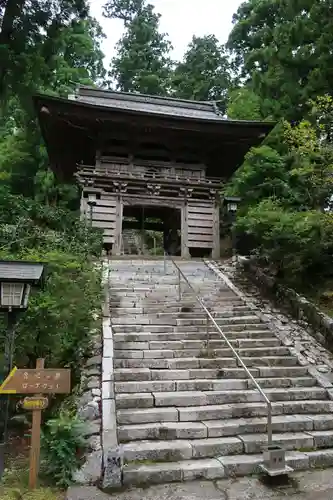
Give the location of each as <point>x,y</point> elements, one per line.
<point>16,280</point>
<point>231,204</point>
<point>91,203</point>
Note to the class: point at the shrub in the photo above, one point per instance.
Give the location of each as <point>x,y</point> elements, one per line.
<point>62,447</point>
<point>297,245</point>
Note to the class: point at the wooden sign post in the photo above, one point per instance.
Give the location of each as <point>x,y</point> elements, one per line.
<point>36,381</point>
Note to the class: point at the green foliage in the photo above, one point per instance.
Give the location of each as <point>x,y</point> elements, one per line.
<point>14,483</point>
<point>296,245</point>
<point>262,175</point>
<point>62,447</point>
<point>60,317</point>
<point>204,74</point>
<point>284,49</point>
<point>45,44</point>
<point>285,186</point>
<point>244,104</point>
<point>142,63</point>
<point>295,166</point>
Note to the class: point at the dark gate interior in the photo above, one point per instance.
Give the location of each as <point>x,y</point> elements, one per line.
<point>151,230</point>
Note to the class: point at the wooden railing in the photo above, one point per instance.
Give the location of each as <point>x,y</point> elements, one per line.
<point>146,174</point>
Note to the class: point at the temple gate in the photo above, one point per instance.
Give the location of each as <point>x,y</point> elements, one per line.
<point>147,163</point>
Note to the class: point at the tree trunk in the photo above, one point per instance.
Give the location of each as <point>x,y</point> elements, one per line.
<point>12,11</point>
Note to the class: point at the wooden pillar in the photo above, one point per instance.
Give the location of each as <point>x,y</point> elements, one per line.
<point>216,231</point>
<point>185,253</point>
<point>117,246</point>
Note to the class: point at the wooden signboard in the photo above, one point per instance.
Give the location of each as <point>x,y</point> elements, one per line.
<point>35,403</point>
<point>32,381</point>
<point>37,381</point>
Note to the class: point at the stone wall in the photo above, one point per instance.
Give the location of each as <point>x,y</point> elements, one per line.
<point>300,307</point>
<point>90,402</point>
<point>90,411</point>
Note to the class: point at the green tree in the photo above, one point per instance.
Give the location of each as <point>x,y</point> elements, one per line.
<point>142,63</point>
<point>284,49</point>
<point>204,74</point>
<point>56,61</point>
<point>244,104</point>
<point>297,247</point>
<point>293,166</point>
<point>262,175</point>
<point>25,26</point>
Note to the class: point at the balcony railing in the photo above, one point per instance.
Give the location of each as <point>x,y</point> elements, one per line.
<point>146,174</point>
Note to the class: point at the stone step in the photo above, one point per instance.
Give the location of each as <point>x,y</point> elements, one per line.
<point>214,375</point>
<point>185,449</point>
<point>186,397</point>
<point>217,468</point>
<point>174,302</point>
<point>150,350</point>
<point>205,378</point>
<point>140,415</point>
<point>254,443</point>
<point>183,308</point>
<point>270,361</point>
<point>180,449</point>
<point>216,428</point>
<point>178,314</point>
<point>233,337</point>
<point>245,346</point>
<point>142,319</point>
<point>118,328</point>
<point>175,363</point>
<point>195,362</point>
<point>264,371</point>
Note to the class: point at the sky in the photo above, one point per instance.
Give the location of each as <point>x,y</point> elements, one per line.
<point>181,19</point>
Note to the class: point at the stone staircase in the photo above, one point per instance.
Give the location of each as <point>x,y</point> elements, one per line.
<point>132,242</point>
<point>184,407</point>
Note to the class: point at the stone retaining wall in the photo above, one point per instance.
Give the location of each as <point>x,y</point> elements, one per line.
<point>90,411</point>
<point>90,402</point>
<point>300,307</point>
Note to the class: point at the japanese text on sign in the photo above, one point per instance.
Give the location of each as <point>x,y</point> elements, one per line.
<point>32,381</point>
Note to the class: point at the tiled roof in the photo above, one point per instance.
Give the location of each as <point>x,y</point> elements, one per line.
<point>148,104</point>
<point>22,271</point>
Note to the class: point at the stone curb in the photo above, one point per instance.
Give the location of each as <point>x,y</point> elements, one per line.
<point>111,459</point>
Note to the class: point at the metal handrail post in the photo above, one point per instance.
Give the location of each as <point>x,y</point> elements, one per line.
<point>269,424</point>
<point>207,331</point>
<point>179,285</point>
<point>239,359</point>
<point>165,263</point>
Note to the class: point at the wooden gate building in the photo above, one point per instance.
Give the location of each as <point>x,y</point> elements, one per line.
<point>147,162</point>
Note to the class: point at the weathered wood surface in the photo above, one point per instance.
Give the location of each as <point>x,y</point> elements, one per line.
<point>200,244</point>
<point>200,225</point>
<point>216,252</point>
<point>123,171</point>
<point>107,201</point>
<point>104,224</point>
<point>192,216</point>
<point>201,230</point>
<point>159,201</point>
<point>205,238</point>
<point>184,233</point>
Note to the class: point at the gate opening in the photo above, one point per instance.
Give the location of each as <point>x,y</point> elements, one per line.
<point>151,230</point>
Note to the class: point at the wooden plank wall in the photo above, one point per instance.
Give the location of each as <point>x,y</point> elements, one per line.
<point>104,215</point>
<point>200,224</point>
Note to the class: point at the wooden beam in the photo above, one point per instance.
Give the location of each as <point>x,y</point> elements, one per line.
<point>185,253</point>
<point>216,251</point>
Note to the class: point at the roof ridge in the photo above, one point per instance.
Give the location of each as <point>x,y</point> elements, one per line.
<point>139,97</point>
